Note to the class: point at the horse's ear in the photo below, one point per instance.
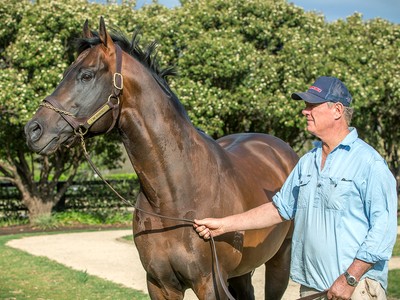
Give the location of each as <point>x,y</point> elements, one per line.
<point>86,30</point>
<point>104,36</point>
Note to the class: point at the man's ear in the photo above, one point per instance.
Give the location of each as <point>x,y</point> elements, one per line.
<point>338,110</point>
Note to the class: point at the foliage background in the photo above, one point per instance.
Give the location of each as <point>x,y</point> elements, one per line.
<point>238,63</point>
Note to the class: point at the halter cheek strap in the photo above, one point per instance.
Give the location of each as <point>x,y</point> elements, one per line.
<point>81,125</point>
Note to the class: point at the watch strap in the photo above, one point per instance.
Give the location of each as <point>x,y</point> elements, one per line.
<point>351,280</point>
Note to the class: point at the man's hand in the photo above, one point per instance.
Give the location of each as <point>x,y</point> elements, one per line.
<point>340,289</point>
<point>209,227</point>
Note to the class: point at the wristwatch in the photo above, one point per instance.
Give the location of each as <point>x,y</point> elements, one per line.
<point>351,280</point>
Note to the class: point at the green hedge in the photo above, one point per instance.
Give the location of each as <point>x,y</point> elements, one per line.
<point>83,196</point>
<point>96,195</point>
<point>10,201</point>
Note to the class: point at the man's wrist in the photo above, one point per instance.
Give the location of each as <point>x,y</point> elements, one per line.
<point>350,279</point>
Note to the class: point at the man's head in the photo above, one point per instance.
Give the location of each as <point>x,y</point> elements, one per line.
<point>327,107</point>
<point>325,89</point>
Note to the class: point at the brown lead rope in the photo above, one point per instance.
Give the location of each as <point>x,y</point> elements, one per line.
<point>214,250</point>
<point>314,296</point>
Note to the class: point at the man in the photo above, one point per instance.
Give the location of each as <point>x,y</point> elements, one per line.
<point>342,198</point>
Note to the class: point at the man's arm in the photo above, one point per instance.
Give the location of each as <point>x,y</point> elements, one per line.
<point>381,207</point>
<point>262,216</point>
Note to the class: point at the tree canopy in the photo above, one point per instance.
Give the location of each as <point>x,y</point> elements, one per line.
<point>238,63</point>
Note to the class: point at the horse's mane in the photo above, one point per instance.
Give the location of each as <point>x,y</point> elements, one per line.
<point>147,56</point>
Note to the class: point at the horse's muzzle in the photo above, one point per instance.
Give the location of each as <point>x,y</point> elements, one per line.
<point>37,141</point>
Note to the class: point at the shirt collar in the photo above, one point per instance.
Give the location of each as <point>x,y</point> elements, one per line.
<point>346,142</point>
<point>350,138</point>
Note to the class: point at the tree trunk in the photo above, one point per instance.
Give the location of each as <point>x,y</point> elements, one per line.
<point>37,207</point>
<point>42,195</point>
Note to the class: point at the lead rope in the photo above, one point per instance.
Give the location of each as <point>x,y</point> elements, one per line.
<point>214,250</point>
<point>314,296</point>
<point>80,133</point>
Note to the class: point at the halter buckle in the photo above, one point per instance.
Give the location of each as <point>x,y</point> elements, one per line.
<point>121,80</point>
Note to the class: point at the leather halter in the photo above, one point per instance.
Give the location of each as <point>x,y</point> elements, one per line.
<point>81,125</point>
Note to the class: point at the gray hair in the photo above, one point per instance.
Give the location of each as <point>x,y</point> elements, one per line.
<point>348,112</point>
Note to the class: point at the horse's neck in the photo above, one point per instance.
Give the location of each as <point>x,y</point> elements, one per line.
<point>166,151</point>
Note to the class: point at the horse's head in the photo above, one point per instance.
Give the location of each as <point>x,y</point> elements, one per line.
<point>86,102</point>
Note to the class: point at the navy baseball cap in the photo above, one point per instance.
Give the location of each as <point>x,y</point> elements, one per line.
<point>325,89</point>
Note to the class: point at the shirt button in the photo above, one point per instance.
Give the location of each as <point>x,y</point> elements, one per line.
<point>318,185</point>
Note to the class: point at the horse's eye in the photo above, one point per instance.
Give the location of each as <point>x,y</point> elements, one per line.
<point>85,77</point>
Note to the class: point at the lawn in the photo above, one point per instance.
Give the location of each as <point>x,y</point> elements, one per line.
<point>394,275</point>
<point>396,249</point>
<point>394,285</point>
<point>24,276</point>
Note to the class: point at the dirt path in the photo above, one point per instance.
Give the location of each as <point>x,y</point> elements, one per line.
<point>103,255</point>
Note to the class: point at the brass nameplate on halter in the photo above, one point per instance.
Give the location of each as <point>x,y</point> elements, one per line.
<point>98,114</point>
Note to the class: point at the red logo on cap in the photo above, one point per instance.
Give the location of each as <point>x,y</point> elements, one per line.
<point>315,89</point>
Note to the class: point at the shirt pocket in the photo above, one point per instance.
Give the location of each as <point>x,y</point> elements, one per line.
<point>304,191</point>
<point>339,193</point>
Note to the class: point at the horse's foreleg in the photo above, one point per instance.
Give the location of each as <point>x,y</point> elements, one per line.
<point>241,287</point>
<point>277,271</point>
<point>209,288</point>
<point>160,292</point>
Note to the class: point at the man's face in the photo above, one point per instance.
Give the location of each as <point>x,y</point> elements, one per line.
<point>320,117</point>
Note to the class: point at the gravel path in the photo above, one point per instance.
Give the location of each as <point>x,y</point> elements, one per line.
<point>102,254</point>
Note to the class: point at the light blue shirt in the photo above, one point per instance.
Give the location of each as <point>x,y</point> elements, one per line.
<point>345,211</point>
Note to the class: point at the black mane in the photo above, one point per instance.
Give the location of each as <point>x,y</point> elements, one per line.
<point>147,56</point>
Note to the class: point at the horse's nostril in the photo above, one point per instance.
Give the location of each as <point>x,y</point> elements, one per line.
<point>34,131</point>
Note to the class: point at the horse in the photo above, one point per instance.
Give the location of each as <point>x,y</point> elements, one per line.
<point>183,172</point>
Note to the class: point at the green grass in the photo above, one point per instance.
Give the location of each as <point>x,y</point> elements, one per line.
<point>396,249</point>
<point>394,284</point>
<point>24,276</point>
<point>394,275</point>
<point>128,238</point>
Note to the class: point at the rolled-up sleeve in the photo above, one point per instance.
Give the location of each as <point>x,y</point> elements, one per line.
<point>286,199</point>
<point>381,209</point>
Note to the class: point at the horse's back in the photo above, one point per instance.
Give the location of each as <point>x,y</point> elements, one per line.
<point>265,158</point>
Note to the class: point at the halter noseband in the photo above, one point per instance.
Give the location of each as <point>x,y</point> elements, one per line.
<point>81,125</point>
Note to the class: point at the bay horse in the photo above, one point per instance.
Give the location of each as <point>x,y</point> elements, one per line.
<point>183,173</point>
